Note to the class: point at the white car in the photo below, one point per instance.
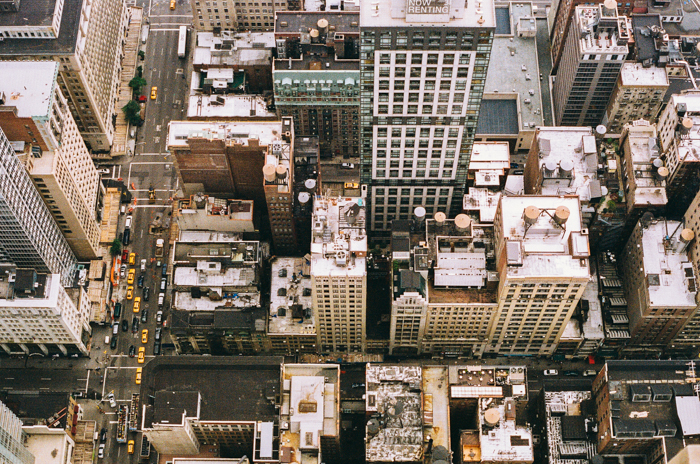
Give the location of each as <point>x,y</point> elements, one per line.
<point>112,400</point>
<point>143,265</point>
<point>347,166</point>
<point>104,170</point>
<point>101,451</point>
<point>551,372</point>
<point>127,222</point>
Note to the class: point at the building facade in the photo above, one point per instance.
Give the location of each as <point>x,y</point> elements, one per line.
<point>246,15</point>
<point>54,152</point>
<point>317,77</point>
<point>339,273</point>
<point>38,316</point>
<point>422,72</point>
<point>86,39</point>
<point>29,235</point>
<point>13,449</point>
<point>594,52</point>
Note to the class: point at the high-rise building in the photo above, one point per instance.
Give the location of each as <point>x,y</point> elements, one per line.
<point>339,273</point>
<point>594,51</point>
<point>54,154</point>
<point>37,315</point>
<point>29,235</point>
<point>422,74</point>
<point>659,283</point>
<point>542,257</point>
<point>317,77</point>
<point>12,447</point>
<point>638,94</point>
<point>86,38</point>
<point>246,15</point>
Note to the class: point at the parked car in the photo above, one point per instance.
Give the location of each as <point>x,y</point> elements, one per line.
<point>157,334</point>
<point>156,348</point>
<point>125,255</point>
<point>126,237</point>
<point>571,373</point>
<point>132,351</point>
<point>347,166</point>
<point>142,277</point>
<point>113,343</point>
<point>146,293</point>
<point>101,451</point>
<point>551,372</point>
<point>163,284</point>
<point>127,222</point>
<point>115,328</point>
<point>122,271</point>
<point>103,435</point>
<point>143,265</point>
<point>142,354</point>
<point>117,310</point>
<point>135,325</point>
<point>159,317</point>
<point>358,385</point>
<point>518,172</point>
<point>159,263</point>
<point>590,372</point>
<point>161,299</point>
<point>164,270</point>
<point>144,315</point>
<point>125,325</point>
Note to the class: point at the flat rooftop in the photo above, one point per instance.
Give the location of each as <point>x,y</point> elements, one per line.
<point>28,85</point>
<point>635,74</point>
<point>251,319</point>
<point>207,237</point>
<point>31,13</point>
<point>482,201</point>
<point>689,145</point>
<point>544,249</point>
<point>228,106</point>
<point>231,48</point>
<point>558,406</point>
<point>436,394</point>
<point>506,441</point>
<point>291,310</point>
<point>489,161</point>
<point>213,277</point>
<point>602,40</point>
<point>670,278</point>
<point>235,252</point>
<point>513,76</point>
<point>231,132</point>
<point>186,302</point>
<point>398,13</point>
<point>641,148</point>
<point>300,22</point>
<point>64,44</point>
<point>249,383</point>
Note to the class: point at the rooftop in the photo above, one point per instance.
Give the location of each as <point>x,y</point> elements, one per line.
<point>602,31</point>
<point>242,133</point>
<point>502,439</point>
<point>233,252</point>
<point>291,310</point>
<point>498,115</point>
<point>562,409</point>
<point>513,76</point>
<point>185,301</point>
<point>592,325</point>
<point>641,154</point>
<point>635,74</point>
<point>550,244</point>
<point>296,23</point>
<point>339,240</point>
<point>490,161</point>
<point>64,44</point>
<point>217,320</point>
<point>213,275</point>
<point>689,144</point>
<point>436,405</point>
<point>40,291</point>
<point>228,106</point>
<point>31,13</point>
<point>195,237</point>
<point>567,160</point>
<point>28,85</point>
<point>483,201</point>
<point>250,383</point>
<point>36,407</point>
<point>231,48</point>
<point>202,212</point>
<point>669,276</point>
<point>407,13</point>
<point>394,392</point>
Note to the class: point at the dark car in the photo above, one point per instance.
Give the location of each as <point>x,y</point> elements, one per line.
<point>164,271</point>
<point>146,293</point>
<point>144,315</point>
<point>571,373</point>
<point>103,435</point>
<point>127,235</point>
<point>125,325</point>
<point>113,343</point>
<point>158,333</point>
<point>132,351</point>
<point>135,325</point>
<point>358,385</point>
<point>156,348</point>
<point>140,281</point>
<point>117,310</point>
<point>125,255</point>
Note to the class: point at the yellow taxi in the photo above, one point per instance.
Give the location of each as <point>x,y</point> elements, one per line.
<point>130,447</point>
<point>130,277</point>
<point>154,92</point>
<point>137,304</point>
<point>172,4</point>
<point>144,336</point>
<point>139,370</point>
<point>352,185</point>
<point>132,259</point>
<point>129,292</point>
<point>142,355</point>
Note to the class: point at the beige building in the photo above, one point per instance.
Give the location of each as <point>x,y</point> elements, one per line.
<point>339,273</point>
<point>638,95</point>
<point>245,15</point>
<point>86,39</point>
<point>36,310</point>
<point>542,253</point>
<point>37,118</point>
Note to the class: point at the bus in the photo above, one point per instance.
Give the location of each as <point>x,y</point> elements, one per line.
<point>182,42</point>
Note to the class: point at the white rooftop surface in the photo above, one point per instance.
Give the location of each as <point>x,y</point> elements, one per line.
<point>490,161</point>
<point>648,191</point>
<point>506,75</point>
<point>484,201</point>
<point>605,43</point>
<point>545,247</point>
<point>238,132</point>
<point>184,302</point>
<point>51,290</point>
<point>668,265</point>
<point>49,448</point>
<point>235,106</point>
<point>593,326</point>
<point>574,144</point>
<point>200,236</point>
<point>352,239</point>
<point>515,185</point>
<point>307,390</point>
<point>688,408</point>
<point>28,85</point>
<point>435,383</point>
<point>689,145</point>
<point>286,324</point>
<point>496,445</point>
<point>634,74</point>
<point>392,13</point>
<point>245,53</point>
<point>187,276</point>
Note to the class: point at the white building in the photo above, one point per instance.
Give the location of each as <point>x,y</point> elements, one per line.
<point>339,273</point>
<point>208,213</point>
<point>489,163</point>
<point>542,257</point>
<point>35,309</point>
<point>50,445</point>
<point>12,446</point>
<point>37,117</point>
<point>423,71</point>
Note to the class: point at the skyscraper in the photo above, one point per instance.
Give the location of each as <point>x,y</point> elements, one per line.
<point>12,447</point>
<point>422,72</point>
<point>29,235</point>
